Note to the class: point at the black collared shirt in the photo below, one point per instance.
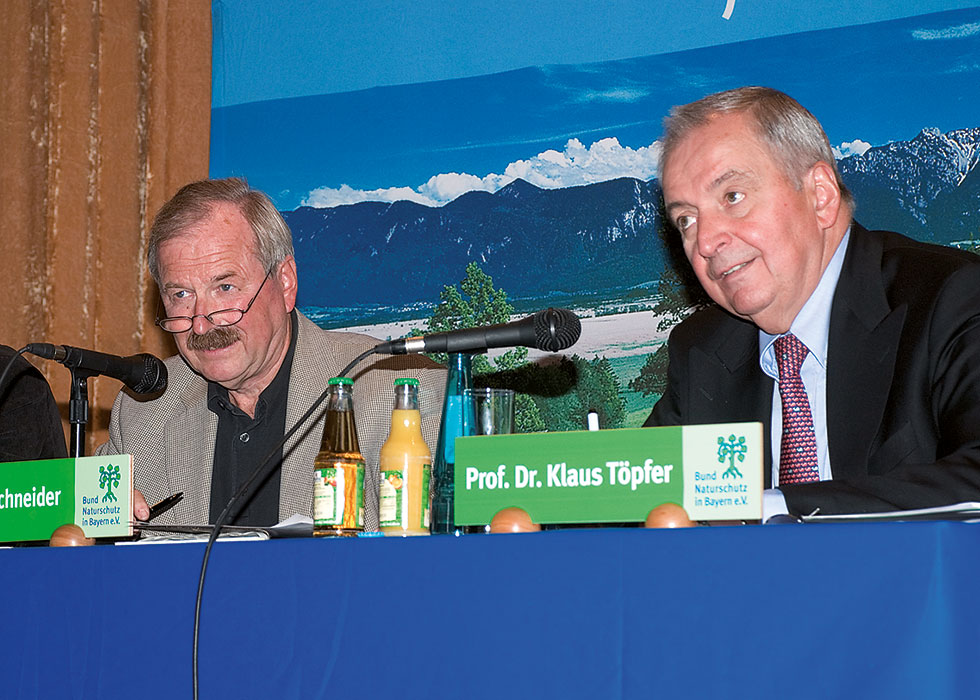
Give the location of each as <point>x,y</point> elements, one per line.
<point>243,442</point>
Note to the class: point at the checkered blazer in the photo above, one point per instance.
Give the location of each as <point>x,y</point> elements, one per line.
<point>172,437</point>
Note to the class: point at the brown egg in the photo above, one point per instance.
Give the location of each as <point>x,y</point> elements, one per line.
<point>668,515</point>
<point>70,535</point>
<point>513,520</point>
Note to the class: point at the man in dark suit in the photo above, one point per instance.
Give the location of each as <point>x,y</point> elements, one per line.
<point>888,328</point>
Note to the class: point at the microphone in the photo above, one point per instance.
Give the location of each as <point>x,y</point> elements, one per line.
<point>143,373</point>
<point>551,330</point>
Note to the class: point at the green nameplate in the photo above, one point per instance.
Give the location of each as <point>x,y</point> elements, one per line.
<point>95,493</point>
<point>714,471</point>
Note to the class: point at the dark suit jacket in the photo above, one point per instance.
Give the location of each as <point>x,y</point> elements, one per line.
<point>30,425</point>
<point>903,378</point>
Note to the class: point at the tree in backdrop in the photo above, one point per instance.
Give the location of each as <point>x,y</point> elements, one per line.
<point>680,294</point>
<point>553,395</point>
<point>477,303</point>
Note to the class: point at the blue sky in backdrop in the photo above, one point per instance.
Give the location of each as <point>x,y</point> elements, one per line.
<point>271,49</point>
<point>318,104</point>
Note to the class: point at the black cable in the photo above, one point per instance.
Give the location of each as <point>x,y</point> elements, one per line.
<point>260,470</point>
<point>10,363</point>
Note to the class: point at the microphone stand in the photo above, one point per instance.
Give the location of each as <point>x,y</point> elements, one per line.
<point>385,348</point>
<point>259,471</point>
<point>78,410</point>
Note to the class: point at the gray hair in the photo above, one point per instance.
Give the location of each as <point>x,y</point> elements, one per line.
<point>195,201</point>
<point>792,134</point>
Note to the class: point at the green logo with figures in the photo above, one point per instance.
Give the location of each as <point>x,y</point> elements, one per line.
<point>108,478</point>
<point>732,450</point>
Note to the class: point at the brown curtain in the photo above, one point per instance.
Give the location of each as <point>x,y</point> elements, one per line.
<point>104,113</point>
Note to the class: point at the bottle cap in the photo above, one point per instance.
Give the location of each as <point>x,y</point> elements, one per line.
<point>340,380</point>
<point>407,381</point>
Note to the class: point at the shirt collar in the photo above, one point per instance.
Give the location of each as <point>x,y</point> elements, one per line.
<point>812,323</point>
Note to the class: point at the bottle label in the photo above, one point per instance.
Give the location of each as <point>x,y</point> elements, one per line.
<point>391,498</point>
<point>426,501</point>
<point>325,495</point>
<point>338,496</point>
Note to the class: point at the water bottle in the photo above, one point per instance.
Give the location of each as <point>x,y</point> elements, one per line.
<point>457,420</point>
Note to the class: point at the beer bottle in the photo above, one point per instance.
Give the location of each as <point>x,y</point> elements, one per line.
<point>338,471</point>
<point>406,465</point>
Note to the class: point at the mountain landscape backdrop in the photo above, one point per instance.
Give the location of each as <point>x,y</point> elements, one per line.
<point>601,240</point>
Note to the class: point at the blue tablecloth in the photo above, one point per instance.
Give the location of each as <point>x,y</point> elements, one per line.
<point>799,611</point>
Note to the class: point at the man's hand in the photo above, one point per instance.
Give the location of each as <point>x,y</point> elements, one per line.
<point>141,511</point>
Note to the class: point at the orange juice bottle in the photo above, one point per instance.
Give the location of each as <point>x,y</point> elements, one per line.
<point>406,465</point>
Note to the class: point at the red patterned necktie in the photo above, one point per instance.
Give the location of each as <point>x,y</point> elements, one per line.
<point>798,447</point>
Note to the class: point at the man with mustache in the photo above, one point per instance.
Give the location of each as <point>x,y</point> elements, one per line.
<point>858,350</point>
<point>250,365</point>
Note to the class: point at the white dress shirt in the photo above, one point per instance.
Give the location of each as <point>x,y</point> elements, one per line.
<point>812,327</point>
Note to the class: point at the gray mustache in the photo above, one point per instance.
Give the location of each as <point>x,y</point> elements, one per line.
<point>214,339</point>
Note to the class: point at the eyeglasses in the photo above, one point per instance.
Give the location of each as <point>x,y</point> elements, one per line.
<point>220,318</point>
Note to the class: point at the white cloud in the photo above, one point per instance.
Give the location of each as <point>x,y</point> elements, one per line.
<point>624,94</point>
<point>448,186</point>
<point>851,148</point>
<point>605,159</point>
<point>324,197</point>
<point>964,68</point>
<point>577,165</point>
<point>958,32</point>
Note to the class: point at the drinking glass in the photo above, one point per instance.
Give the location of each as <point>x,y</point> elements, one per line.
<point>493,411</point>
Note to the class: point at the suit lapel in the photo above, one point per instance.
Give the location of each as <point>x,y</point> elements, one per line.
<point>190,437</point>
<point>862,348</point>
<point>312,361</point>
<point>730,385</point>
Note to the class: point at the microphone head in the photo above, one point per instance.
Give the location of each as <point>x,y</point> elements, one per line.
<point>556,329</point>
<point>154,377</point>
